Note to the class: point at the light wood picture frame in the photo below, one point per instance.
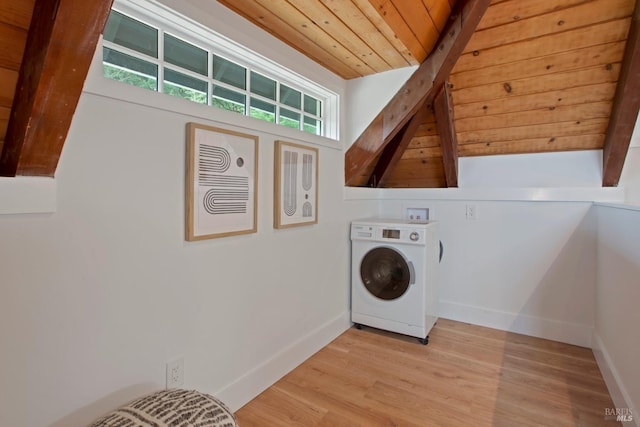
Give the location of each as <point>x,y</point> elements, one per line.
<point>295,185</point>
<point>221,182</point>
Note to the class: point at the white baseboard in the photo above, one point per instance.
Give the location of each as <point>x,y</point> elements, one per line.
<point>570,333</point>
<point>612,379</point>
<point>254,382</point>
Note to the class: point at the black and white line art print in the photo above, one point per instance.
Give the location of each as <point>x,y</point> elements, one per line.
<point>221,182</point>
<point>295,185</point>
<point>290,171</point>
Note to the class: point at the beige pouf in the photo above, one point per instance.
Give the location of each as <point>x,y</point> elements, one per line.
<point>170,408</point>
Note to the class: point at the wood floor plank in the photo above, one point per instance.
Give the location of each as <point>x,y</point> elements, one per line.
<point>466,375</point>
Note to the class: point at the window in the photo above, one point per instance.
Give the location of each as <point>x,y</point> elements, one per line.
<point>143,51</point>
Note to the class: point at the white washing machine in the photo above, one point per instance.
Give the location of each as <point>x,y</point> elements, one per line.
<point>394,273</point>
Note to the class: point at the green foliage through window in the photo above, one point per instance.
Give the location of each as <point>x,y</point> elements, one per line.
<point>130,55</point>
<point>130,77</point>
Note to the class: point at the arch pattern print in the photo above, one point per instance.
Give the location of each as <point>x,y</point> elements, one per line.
<point>307,171</point>
<point>214,159</point>
<point>290,180</point>
<point>295,185</point>
<point>307,210</point>
<point>221,182</point>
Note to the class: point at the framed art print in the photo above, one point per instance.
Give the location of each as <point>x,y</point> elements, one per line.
<point>295,185</point>
<point>221,181</point>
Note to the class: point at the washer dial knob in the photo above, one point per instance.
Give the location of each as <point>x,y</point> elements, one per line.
<point>414,236</point>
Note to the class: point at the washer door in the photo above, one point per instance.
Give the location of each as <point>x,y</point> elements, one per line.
<point>385,273</point>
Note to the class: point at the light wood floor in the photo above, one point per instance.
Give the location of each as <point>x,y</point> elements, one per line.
<point>466,376</point>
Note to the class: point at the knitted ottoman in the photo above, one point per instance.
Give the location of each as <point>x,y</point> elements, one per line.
<point>170,408</point>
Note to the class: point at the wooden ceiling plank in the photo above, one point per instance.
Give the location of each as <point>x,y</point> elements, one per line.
<point>269,22</point>
<point>425,142</point>
<point>414,173</point>
<point>392,17</point>
<point>580,16</point>
<point>549,130</point>
<point>533,145</point>
<point>417,90</point>
<point>419,168</point>
<point>626,105</point>
<point>12,43</point>
<point>606,32</point>
<point>443,109</point>
<point>58,53</point>
<point>335,29</point>
<point>417,183</point>
<point>590,56</point>
<point>421,153</point>
<point>511,11</point>
<point>313,32</point>
<point>8,80</point>
<point>17,13</point>
<point>567,113</point>
<point>439,11</point>
<point>415,14</point>
<point>392,152</point>
<point>428,127</point>
<point>564,80</point>
<point>381,25</point>
<point>4,121</point>
<point>563,97</point>
<point>366,31</point>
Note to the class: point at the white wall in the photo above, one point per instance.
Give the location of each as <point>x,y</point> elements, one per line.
<point>522,266</point>
<point>630,178</point>
<point>569,169</point>
<point>100,294</point>
<point>97,296</point>
<point>616,337</point>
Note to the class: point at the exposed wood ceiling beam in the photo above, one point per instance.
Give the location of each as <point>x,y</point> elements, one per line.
<point>417,91</point>
<point>626,105</point>
<point>392,152</point>
<point>443,110</point>
<point>61,42</point>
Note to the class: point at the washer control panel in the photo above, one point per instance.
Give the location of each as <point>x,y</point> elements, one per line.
<point>387,233</point>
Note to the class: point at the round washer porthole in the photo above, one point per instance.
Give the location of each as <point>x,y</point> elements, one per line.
<point>385,273</point>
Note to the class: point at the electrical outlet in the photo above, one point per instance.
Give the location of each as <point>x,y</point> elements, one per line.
<point>472,212</point>
<point>175,373</point>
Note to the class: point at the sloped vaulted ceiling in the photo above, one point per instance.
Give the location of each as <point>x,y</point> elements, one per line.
<point>535,76</point>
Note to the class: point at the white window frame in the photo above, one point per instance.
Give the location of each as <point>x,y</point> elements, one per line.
<point>168,20</point>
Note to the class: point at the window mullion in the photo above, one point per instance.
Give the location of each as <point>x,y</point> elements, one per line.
<point>209,78</point>
<point>188,51</point>
<point>247,98</point>
<point>161,61</point>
